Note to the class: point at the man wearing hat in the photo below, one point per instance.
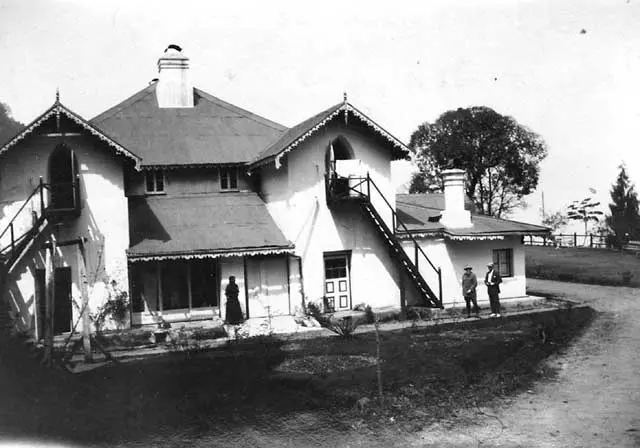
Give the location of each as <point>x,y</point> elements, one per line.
<point>492,279</point>
<point>469,284</point>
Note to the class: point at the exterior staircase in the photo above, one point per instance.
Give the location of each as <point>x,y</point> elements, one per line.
<point>19,242</point>
<point>360,189</point>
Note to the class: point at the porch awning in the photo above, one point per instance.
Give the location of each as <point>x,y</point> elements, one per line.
<point>202,226</point>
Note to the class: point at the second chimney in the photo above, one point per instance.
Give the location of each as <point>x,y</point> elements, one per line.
<point>454,214</point>
<point>173,88</point>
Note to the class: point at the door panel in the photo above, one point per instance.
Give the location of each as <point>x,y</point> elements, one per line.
<point>336,274</point>
<point>62,290</point>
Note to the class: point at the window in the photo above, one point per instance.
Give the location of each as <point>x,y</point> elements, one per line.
<point>503,261</point>
<point>229,179</point>
<point>155,181</point>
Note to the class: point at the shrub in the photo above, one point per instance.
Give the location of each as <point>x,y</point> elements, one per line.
<point>370,317</point>
<point>115,308</point>
<point>343,327</point>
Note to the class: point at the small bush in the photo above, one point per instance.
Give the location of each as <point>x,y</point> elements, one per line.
<point>313,310</point>
<point>343,327</point>
<point>370,317</point>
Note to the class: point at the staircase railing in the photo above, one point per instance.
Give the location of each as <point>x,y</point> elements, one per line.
<point>341,188</point>
<point>45,211</point>
<point>15,240</point>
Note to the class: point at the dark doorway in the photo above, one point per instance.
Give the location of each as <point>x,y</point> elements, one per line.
<point>41,300</point>
<point>62,175</point>
<point>62,292</point>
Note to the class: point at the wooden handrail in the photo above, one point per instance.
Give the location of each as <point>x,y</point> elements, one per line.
<point>10,225</point>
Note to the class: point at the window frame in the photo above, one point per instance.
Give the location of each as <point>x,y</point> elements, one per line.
<point>155,175</point>
<point>497,256</point>
<point>227,175</point>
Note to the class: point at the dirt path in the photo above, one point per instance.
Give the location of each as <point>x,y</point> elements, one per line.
<point>594,403</point>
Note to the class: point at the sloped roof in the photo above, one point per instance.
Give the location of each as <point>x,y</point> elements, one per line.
<point>58,110</point>
<point>212,132</point>
<point>216,224</point>
<point>299,133</point>
<point>421,212</point>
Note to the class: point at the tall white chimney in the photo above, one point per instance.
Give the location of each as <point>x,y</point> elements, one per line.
<point>454,214</point>
<point>173,88</point>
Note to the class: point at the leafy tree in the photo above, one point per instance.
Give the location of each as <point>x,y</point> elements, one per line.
<point>585,211</point>
<point>499,156</point>
<point>624,218</point>
<point>8,126</point>
<point>555,220</point>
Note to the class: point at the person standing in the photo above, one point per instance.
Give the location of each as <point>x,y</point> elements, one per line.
<point>233,313</point>
<point>492,279</point>
<point>469,284</point>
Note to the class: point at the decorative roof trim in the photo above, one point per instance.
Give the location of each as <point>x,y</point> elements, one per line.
<point>193,165</point>
<point>56,110</point>
<point>202,255</point>
<point>345,107</point>
<point>475,237</point>
<point>303,137</point>
<point>379,129</point>
<point>443,233</point>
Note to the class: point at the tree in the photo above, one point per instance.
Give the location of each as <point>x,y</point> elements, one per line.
<point>499,156</point>
<point>624,218</point>
<point>555,220</point>
<point>8,126</point>
<point>585,211</point>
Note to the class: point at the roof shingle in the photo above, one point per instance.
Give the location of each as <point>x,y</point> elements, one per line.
<point>204,223</point>
<point>212,132</point>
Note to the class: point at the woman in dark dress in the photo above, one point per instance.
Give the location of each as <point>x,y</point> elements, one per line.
<point>233,313</point>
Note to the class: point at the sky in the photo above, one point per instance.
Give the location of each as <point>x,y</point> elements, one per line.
<point>569,70</point>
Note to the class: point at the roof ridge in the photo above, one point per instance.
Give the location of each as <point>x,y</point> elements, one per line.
<point>248,114</point>
<point>138,96</point>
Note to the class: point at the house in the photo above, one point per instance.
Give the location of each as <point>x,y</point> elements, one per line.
<point>172,191</point>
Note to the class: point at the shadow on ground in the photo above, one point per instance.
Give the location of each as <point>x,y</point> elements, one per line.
<point>240,390</point>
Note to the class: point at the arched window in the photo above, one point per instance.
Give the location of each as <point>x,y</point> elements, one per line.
<point>338,149</point>
<point>62,178</point>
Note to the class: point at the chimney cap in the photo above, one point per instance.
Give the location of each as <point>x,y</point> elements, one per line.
<point>178,48</point>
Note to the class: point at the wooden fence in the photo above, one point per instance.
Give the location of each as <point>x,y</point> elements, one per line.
<point>591,240</point>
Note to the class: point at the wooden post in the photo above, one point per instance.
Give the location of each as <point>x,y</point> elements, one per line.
<point>84,293</point>
<point>403,293</point>
<point>12,237</point>
<point>575,239</point>
<point>415,249</point>
<point>189,286</point>
<point>49,290</point>
<point>591,240</point>
<point>246,285</point>
<point>159,305</point>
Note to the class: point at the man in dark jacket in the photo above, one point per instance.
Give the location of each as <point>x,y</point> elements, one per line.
<point>492,279</point>
<point>469,284</point>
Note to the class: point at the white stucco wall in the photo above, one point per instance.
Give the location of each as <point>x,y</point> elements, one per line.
<point>103,220</point>
<point>295,197</point>
<point>452,256</point>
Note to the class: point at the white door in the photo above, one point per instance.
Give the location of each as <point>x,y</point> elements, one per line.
<point>337,289</point>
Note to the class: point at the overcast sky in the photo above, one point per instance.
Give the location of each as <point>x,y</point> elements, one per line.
<point>569,70</point>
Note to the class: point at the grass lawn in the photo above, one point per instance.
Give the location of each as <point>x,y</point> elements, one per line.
<point>583,265</point>
<point>260,387</point>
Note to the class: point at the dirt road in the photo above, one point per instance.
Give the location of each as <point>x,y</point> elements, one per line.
<point>595,401</point>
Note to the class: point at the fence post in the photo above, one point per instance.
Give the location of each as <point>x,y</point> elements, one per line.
<point>575,239</point>
<point>415,248</point>
<point>591,240</point>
